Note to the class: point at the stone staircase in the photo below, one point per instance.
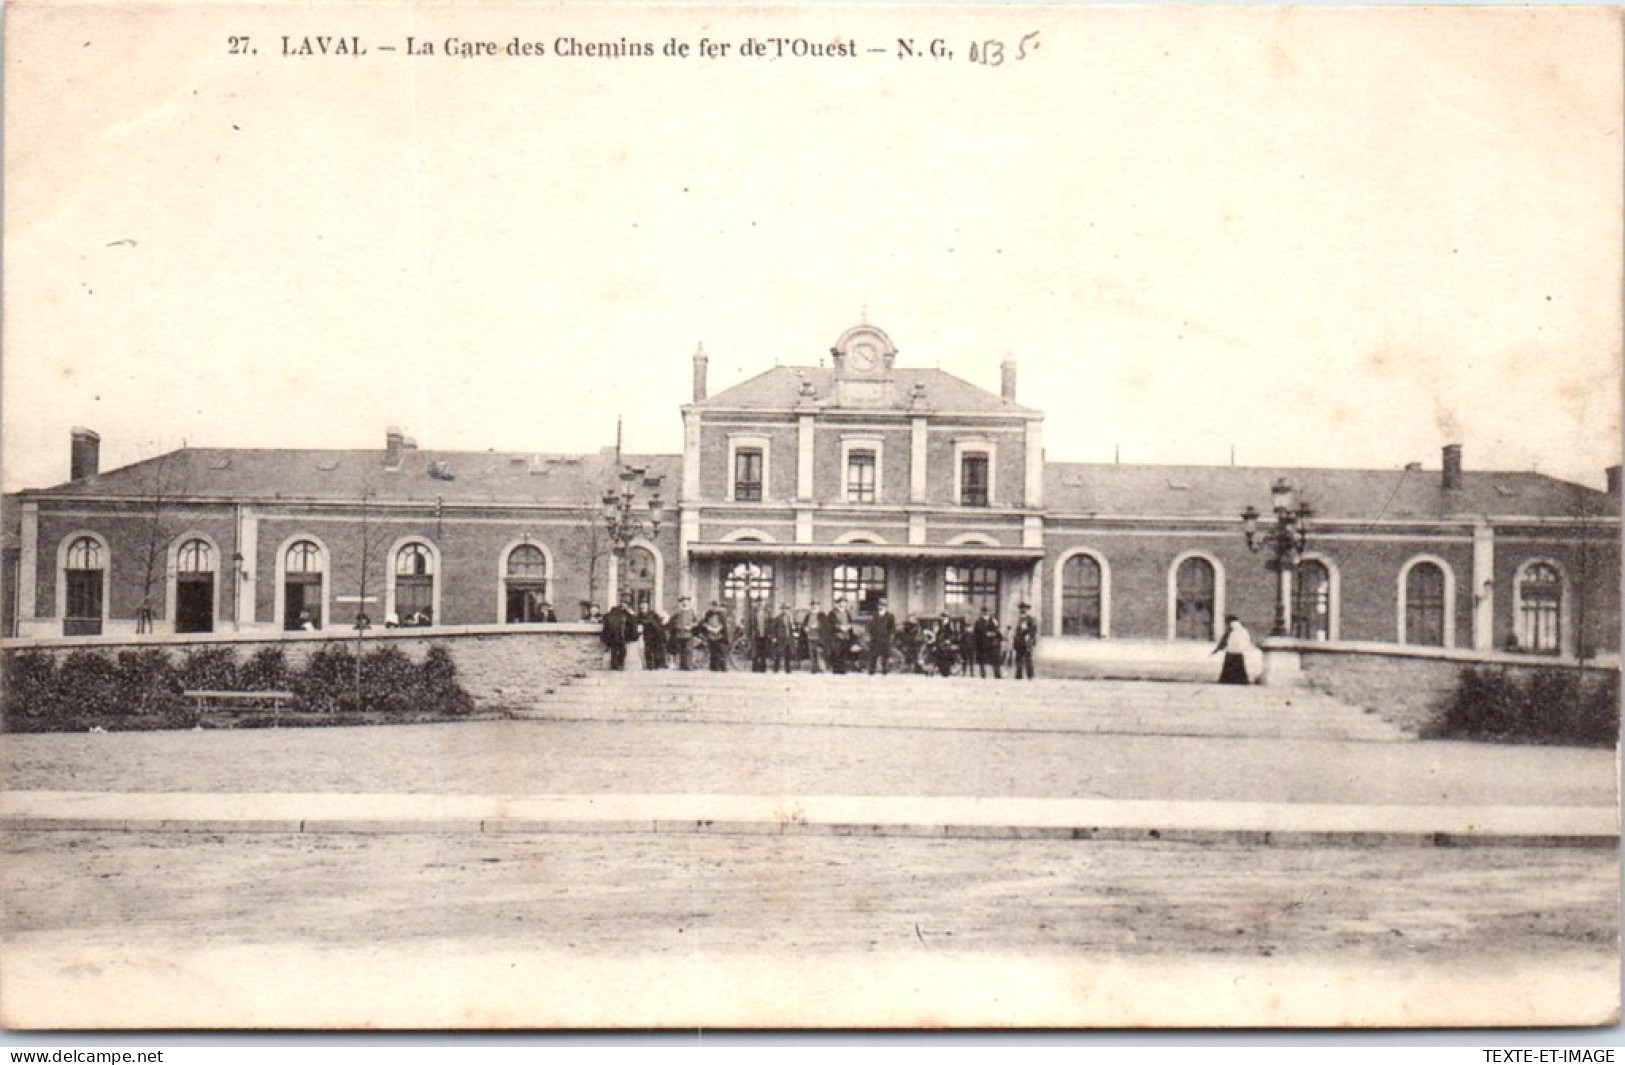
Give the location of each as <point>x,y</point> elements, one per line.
<point>1154,708</point>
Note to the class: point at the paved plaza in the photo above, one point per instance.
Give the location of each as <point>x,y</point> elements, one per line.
<point>646,864</point>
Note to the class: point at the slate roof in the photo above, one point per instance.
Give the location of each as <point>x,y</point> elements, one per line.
<point>231,474</point>
<point>780,389</point>
<point>1223,491</point>
<point>331,475</point>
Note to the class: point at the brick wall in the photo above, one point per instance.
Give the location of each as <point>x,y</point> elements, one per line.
<point>471,552</point>
<point>503,669</point>
<point>1368,570</point>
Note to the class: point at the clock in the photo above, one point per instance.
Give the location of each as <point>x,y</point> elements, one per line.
<point>863,356</point>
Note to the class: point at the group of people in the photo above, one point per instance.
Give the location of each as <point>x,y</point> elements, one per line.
<point>839,640</point>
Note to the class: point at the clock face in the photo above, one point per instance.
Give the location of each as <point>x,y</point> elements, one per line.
<point>864,357</point>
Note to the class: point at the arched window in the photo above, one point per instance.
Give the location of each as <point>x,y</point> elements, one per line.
<point>1081,589</point>
<point>862,585</point>
<point>970,588</point>
<point>1312,602</point>
<point>414,584</point>
<point>194,587</point>
<point>525,585</point>
<point>1194,606</point>
<point>1425,605</point>
<point>303,573</point>
<point>1539,622</point>
<point>84,571</point>
<point>752,581</point>
<point>640,576</point>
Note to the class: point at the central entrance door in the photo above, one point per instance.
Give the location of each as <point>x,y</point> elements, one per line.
<point>863,585</point>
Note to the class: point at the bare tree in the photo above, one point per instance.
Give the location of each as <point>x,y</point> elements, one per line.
<point>595,540</point>
<point>161,483</point>
<point>369,573</point>
<point>1589,570</point>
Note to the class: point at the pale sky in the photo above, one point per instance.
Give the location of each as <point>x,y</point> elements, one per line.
<point>1320,237</point>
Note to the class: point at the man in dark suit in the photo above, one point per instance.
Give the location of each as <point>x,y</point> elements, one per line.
<point>779,633</point>
<point>653,629</point>
<point>620,629</point>
<point>1024,641</point>
<point>989,644</point>
<point>840,635</point>
<point>882,630</point>
<point>680,633</point>
<point>755,628</point>
<point>964,640</point>
<point>817,625</point>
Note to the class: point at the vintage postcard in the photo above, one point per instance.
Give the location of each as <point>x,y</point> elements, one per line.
<point>808,516</point>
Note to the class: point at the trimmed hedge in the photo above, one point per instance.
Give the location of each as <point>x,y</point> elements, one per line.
<point>142,689</point>
<point>1541,706</point>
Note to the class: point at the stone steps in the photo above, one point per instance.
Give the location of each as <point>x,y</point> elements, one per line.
<point>918,702</point>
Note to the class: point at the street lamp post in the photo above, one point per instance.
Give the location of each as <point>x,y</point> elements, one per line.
<point>624,519</point>
<point>1285,541</point>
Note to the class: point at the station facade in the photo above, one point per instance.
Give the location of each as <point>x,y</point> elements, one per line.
<point>865,478</point>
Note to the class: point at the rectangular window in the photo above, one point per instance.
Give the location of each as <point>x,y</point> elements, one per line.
<point>970,588</point>
<point>83,616</point>
<point>748,475</point>
<point>748,580</point>
<point>863,586</point>
<point>973,480</point>
<point>860,477</point>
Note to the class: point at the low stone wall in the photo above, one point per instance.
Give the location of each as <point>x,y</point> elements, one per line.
<point>502,667</point>
<point>1117,659</point>
<point>1408,686</point>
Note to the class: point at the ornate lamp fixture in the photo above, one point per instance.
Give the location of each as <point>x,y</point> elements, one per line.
<point>626,517</point>
<point>1285,541</point>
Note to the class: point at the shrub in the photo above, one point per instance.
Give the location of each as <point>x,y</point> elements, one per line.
<point>441,690</point>
<point>147,683</point>
<point>390,682</point>
<point>87,685</point>
<point>142,688</point>
<point>31,693</point>
<point>327,683</point>
<point>1547,706</point>
<point>210,669</point>
<point>265,670</point>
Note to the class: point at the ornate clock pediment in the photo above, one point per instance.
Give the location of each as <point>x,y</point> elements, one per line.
<point>864,351</point>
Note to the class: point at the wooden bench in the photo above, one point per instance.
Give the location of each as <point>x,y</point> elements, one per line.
<point>235,702</point>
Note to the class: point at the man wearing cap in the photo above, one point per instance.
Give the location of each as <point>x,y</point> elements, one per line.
<point>817,629</point>
<point>882,630</point>
<point>680,633</point>
<point>620,629</point>
<point>989,640</point>
<point>840,635</point>
<point>780,631</point>
<point>1023,642</point>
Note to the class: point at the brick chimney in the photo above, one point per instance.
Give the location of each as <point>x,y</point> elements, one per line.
<point>1612,473</point>
<point>700,362</point>
<point>1452,466</point>
<point>1007,378</point>
<point>394,447</point>
<point>85,454</point>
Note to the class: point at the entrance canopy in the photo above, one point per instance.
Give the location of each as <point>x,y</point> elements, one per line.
<point>757,549</point>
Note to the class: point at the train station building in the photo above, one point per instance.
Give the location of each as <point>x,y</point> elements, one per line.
<point>855,475</point>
